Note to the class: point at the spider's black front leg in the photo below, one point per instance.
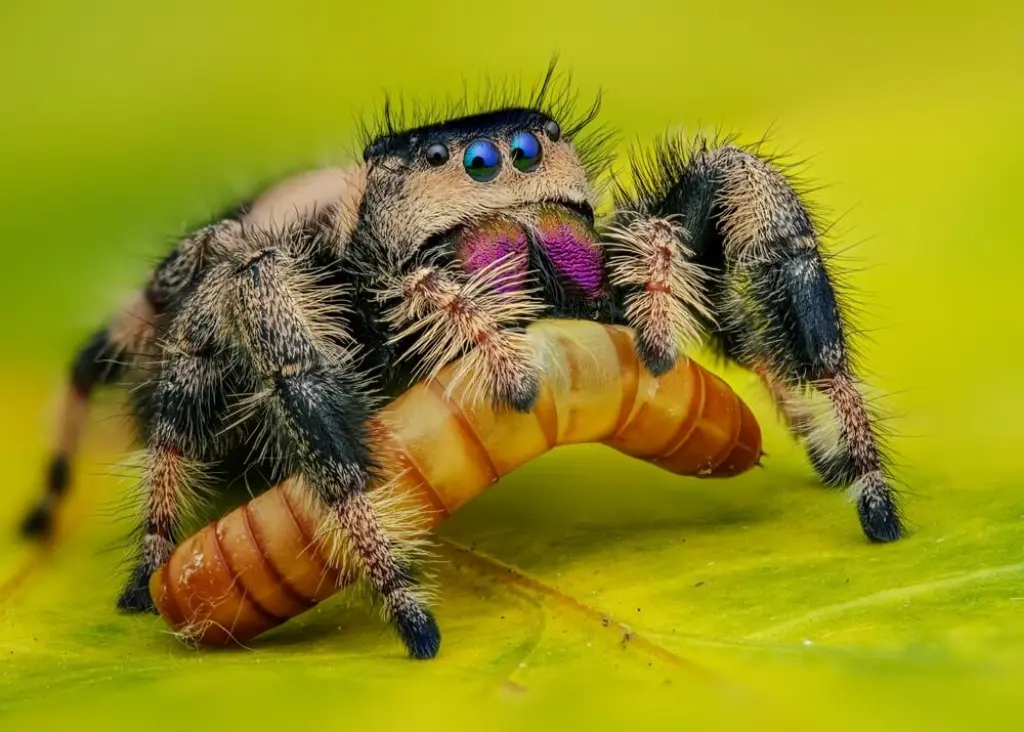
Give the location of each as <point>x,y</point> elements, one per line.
<point>775,308</point>
<point>322,408</point>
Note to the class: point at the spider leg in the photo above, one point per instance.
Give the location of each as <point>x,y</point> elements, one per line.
<point>660,290</point>
<point>797,416</point>
<point>109,354</point>
<point>447,312</point>
<point>100,362</point>
<point>181,411</point>
<point>93,366</point>
<point>775,304</point>
<point>323,408</point>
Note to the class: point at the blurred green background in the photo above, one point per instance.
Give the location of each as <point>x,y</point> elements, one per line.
<point>753,602</point>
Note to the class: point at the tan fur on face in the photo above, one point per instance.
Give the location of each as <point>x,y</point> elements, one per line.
<point>434,200</point>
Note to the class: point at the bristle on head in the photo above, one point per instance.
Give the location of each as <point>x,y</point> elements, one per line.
<point>553,95</point>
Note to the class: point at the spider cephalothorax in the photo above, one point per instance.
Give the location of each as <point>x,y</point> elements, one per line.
<point>262,343</point>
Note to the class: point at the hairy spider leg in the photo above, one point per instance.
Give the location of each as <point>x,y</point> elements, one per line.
<point>444,312</point>
<point>96,364</point>
<point>124,344</point>
<point>183,407</point>
<point>776,307</point>
<point>322,407</point>
<point>661,291</point>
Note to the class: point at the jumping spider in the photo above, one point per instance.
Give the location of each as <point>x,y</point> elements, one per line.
<point>266,338</point>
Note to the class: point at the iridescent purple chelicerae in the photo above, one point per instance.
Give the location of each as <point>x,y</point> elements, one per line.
<point>567,240</point>
<point>572,247</point>
<point>496,240</point>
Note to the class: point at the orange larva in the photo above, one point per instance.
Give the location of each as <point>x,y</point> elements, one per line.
<point>265,563</point>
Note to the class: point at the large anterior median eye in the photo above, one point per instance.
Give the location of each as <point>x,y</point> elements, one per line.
<point>482,160</point>
<point>526,151</point>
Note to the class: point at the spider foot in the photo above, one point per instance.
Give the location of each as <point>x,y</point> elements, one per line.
<point>135,597</point>
<point>879,517</point>
<point>419,632</point>
<point>38,524</point>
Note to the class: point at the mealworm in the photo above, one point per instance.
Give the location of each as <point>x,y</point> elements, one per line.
<point>268,560</point>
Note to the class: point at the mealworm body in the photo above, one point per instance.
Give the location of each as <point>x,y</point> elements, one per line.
<point>269,560</point>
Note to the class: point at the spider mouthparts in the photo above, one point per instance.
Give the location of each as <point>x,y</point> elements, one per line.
<point>565,238</point>
<point>493,240</point>
<point>571,244</point>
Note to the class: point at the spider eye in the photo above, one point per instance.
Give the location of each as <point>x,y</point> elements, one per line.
<point>552,130</point>
<point>437,154</point>
<point>482,160</point>
<point>526,151</point>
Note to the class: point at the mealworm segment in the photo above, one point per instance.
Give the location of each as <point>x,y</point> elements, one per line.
<point>269,560</point>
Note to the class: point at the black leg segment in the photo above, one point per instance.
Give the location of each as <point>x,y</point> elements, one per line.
<point>775,309</point>
<point>319,404</point>
<point>96,365</point>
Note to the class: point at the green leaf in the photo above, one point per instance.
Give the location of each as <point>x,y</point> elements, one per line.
<point>754,598</point>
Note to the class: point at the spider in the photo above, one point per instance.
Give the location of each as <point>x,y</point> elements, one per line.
<point>262,343</point>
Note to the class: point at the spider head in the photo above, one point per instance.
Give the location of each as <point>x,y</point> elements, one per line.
<point>431,182</point>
